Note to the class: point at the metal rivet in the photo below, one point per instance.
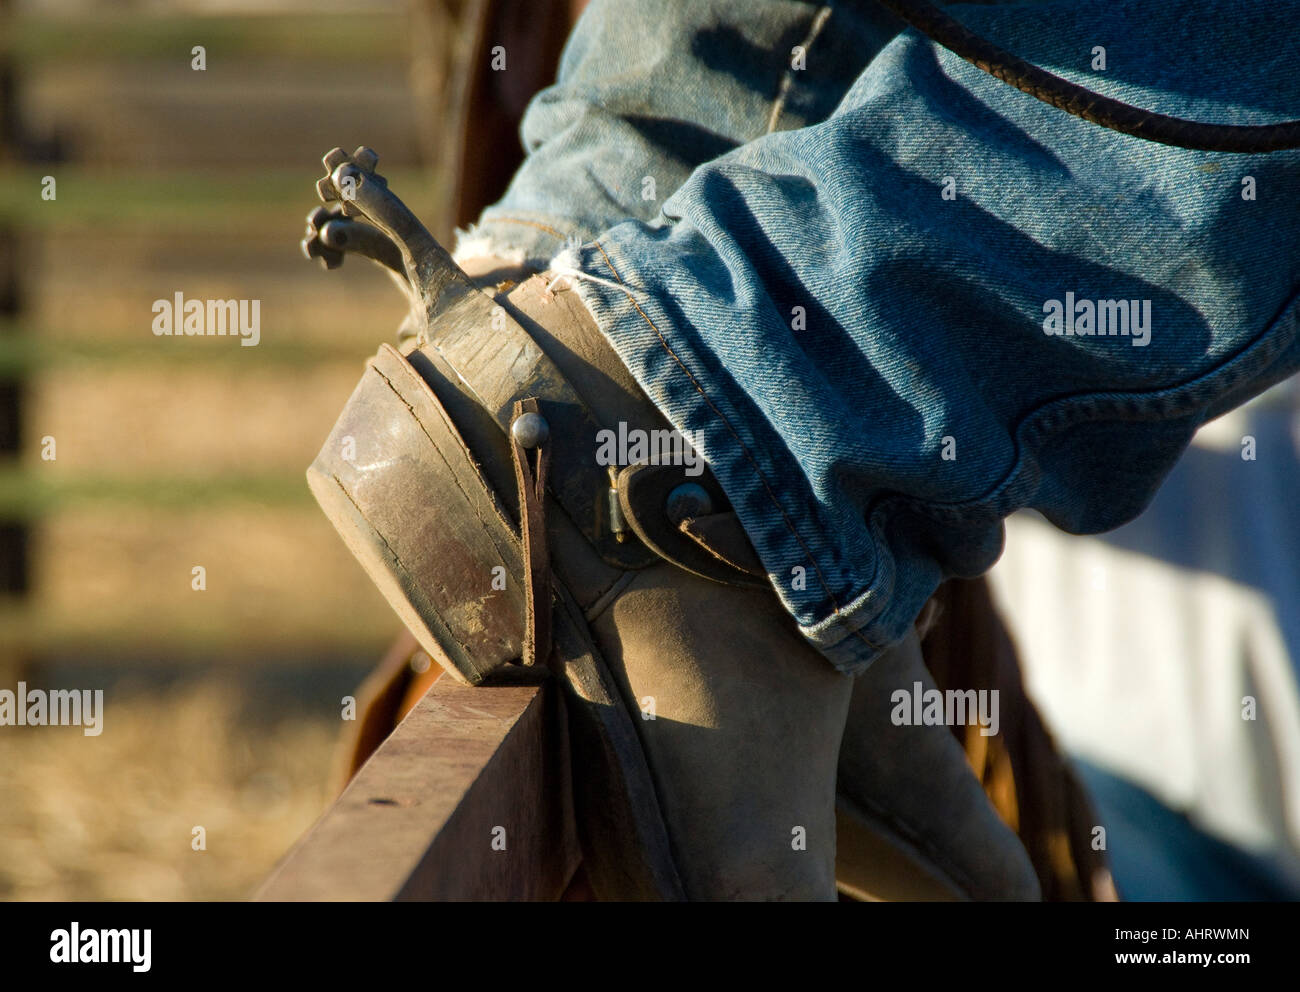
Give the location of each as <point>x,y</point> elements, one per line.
<point>690,499</point>
<point>530,429</point>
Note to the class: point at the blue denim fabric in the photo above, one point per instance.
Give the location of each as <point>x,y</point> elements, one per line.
<point>653,90</point>
<point>864,361</point>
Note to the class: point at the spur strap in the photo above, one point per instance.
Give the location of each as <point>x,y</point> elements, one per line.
<point>532,461</point>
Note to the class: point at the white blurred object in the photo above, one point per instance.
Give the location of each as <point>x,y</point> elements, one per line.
<point>1140,645</point>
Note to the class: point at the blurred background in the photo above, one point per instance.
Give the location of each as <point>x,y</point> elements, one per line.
<point>223,706</point>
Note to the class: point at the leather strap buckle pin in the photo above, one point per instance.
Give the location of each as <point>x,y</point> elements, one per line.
<point>530,445</point>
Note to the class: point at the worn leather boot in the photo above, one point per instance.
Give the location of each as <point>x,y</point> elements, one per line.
<point>727,770</point>
<point>913,821</point>
<point>749,732</point>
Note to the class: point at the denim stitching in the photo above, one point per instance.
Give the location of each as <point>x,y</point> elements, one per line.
<point>1168,402</point>
<point>526,223</point>
<point>732,431</point>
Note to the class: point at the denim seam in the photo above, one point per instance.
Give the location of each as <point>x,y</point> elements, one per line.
<point>862,610</point>
<point>1062,413</point>
<point>732,431</point>
<point>526,223</point>
<point>1045,421</point>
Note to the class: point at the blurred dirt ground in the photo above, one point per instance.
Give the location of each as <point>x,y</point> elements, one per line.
<point>112,817</point>
<point>222,704</point>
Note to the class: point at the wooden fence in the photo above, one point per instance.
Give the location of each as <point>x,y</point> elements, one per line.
<point>468,799</point>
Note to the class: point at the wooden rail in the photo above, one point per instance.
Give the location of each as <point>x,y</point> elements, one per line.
<point>468,799</point>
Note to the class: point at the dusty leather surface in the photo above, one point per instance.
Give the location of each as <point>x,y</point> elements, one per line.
<point>398,483</point>
<point>913,786</point>
<point>748,748</point>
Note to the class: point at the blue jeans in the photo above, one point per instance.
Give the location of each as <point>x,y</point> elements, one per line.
<point>895,299</point>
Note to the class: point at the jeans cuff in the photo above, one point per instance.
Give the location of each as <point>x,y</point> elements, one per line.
<point>519,240</point>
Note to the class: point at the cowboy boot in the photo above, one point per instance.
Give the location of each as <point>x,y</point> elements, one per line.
<point>752,728</point>
<point>739,721</point>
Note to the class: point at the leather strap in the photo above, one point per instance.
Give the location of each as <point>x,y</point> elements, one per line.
<point>624,839</point>
<point>501,367</point>
<point>721,535</point>
<point>717,550</point>
<point>499,362</point>
<point>530,475</point>
<point>1074,99</point>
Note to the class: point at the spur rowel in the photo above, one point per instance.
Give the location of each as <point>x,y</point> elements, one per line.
<point>363,193</point>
